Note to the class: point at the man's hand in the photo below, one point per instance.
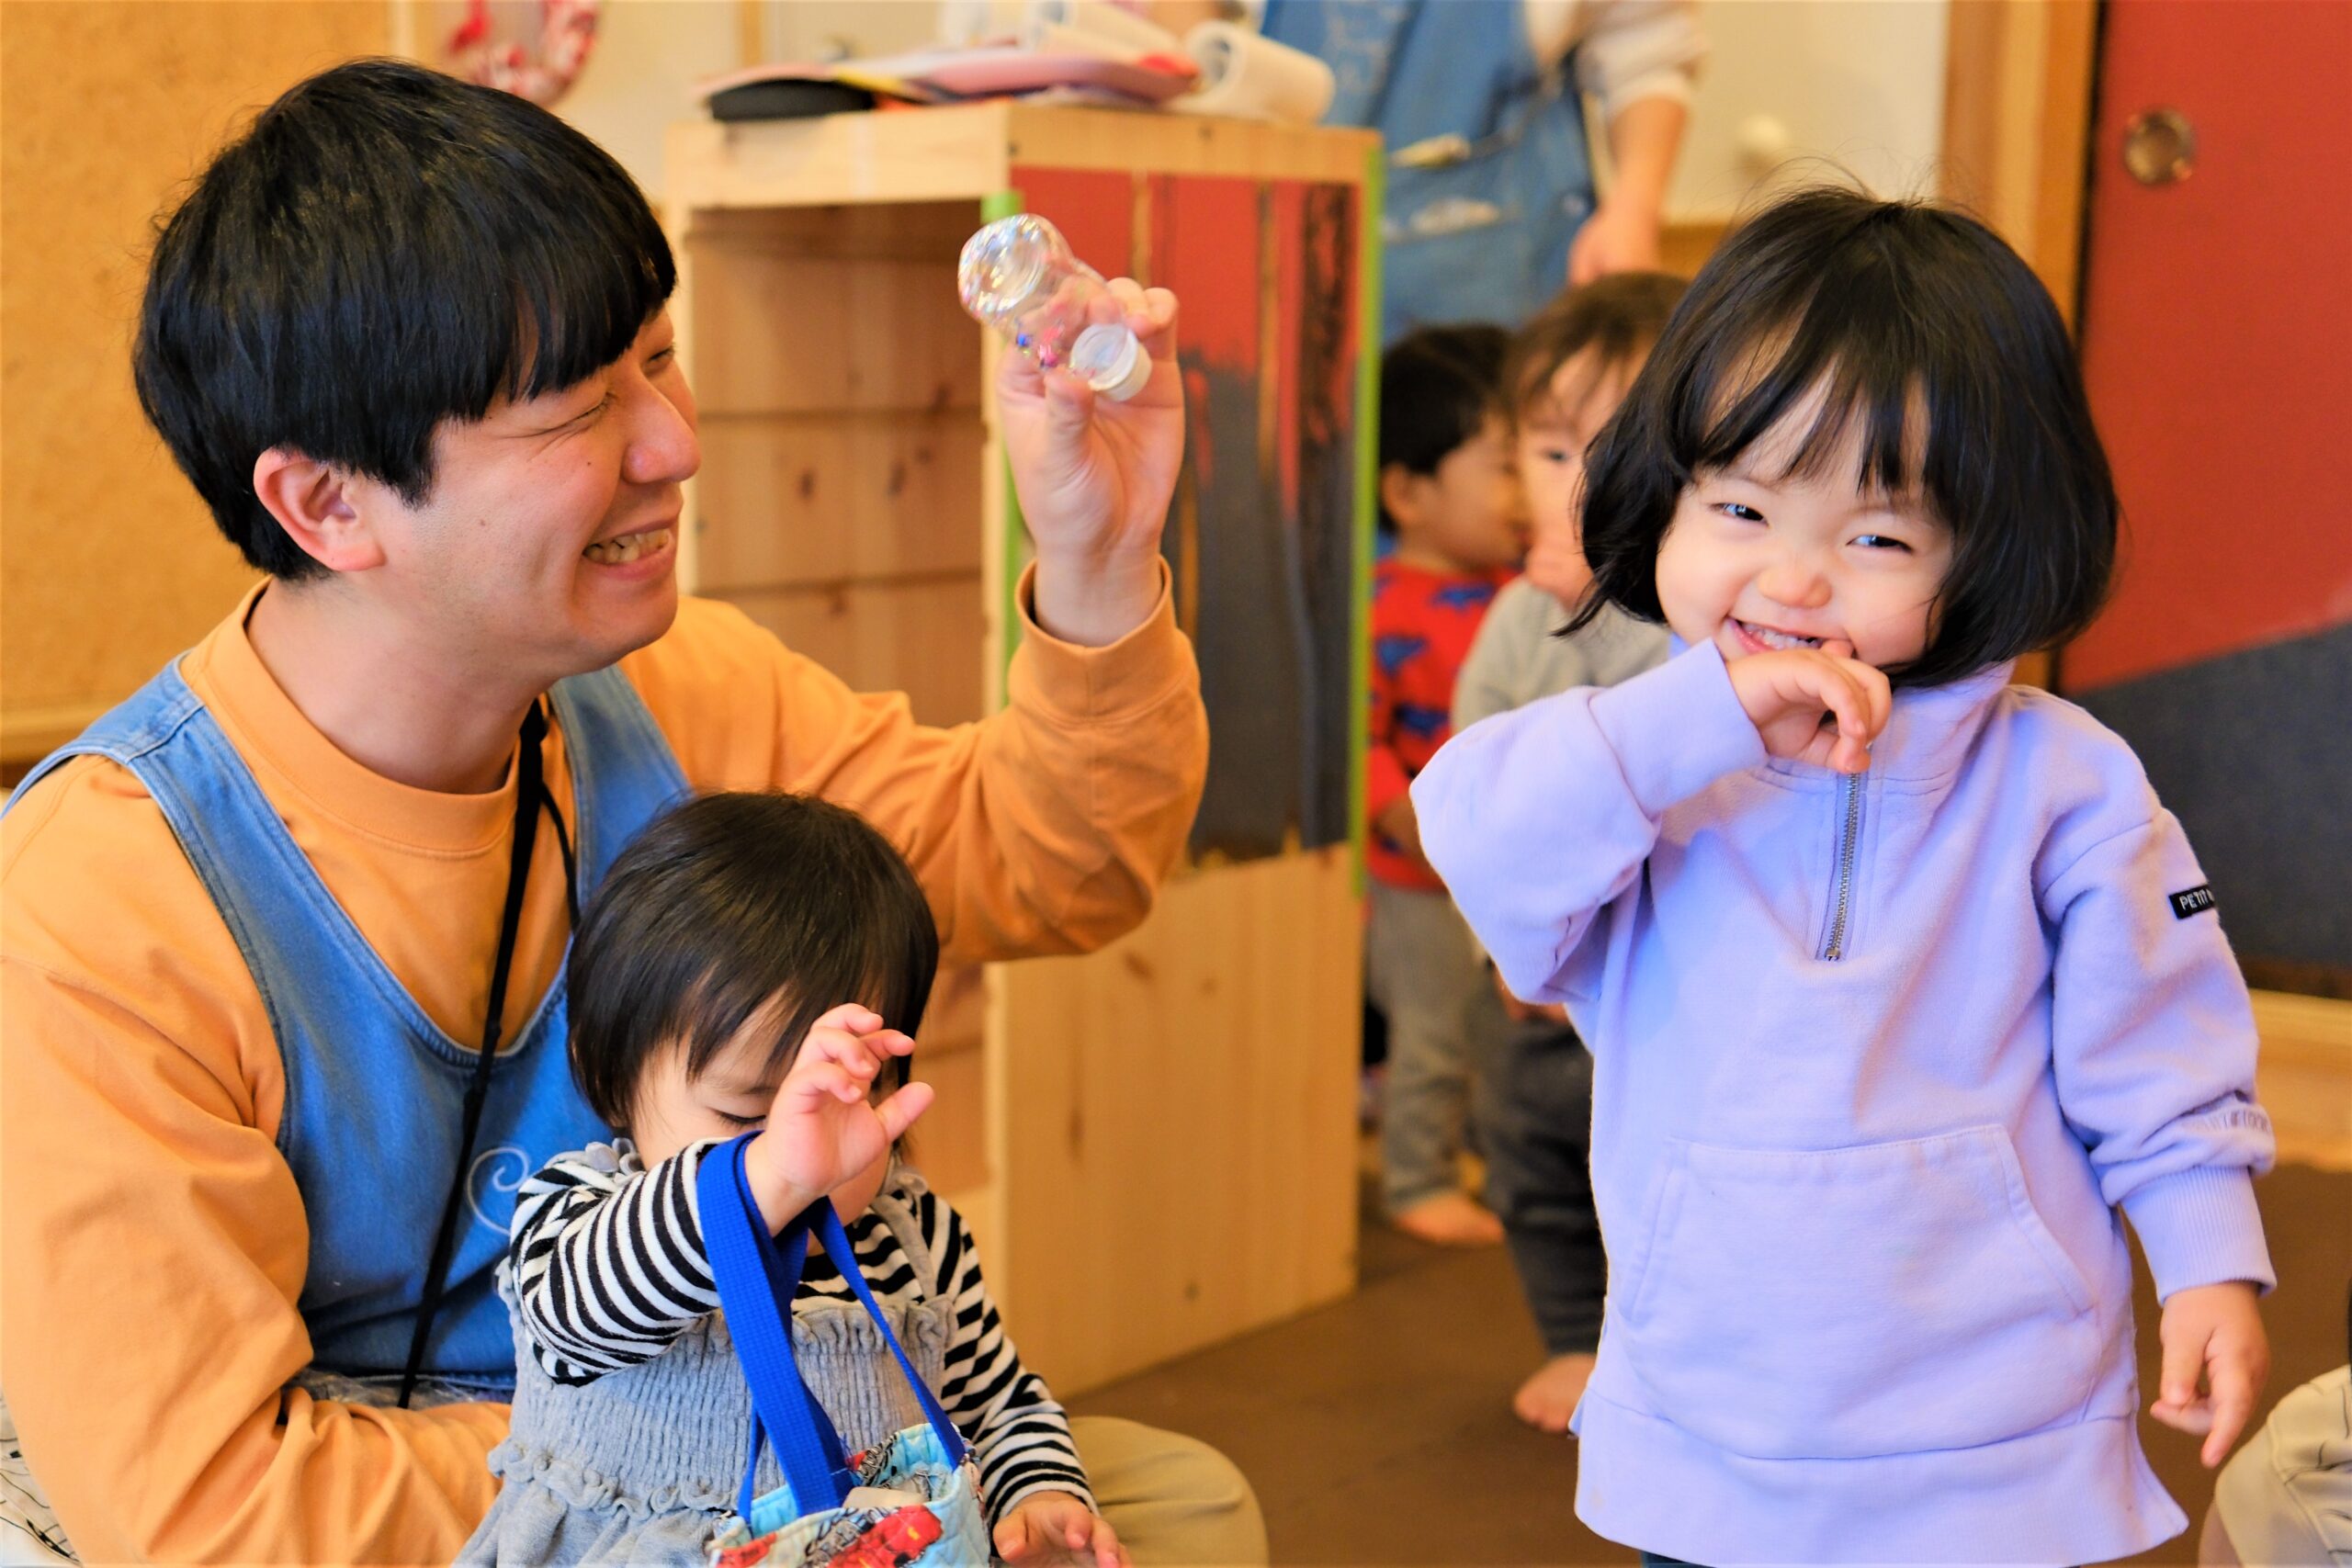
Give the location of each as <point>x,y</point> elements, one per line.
<point>1814,705</point>
<point>1058,1527</point>
<point>1398,824</point>
<point>2215,1332</point>
<point>1095,476</point>
<point>821,1128</point>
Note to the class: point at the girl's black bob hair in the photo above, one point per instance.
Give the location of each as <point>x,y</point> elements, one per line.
<point>1927,330</point>
<point>724,905</point>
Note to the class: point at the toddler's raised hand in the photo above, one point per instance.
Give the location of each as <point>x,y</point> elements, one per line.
<point>1059,1527</point>
<point>2213,1332</point>
<point>822,1127</point>
<point>1814,705</point>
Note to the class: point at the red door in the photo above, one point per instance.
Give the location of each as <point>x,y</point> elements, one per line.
<point>2217,340</point>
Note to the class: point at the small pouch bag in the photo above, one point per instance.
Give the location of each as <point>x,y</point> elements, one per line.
<point>913,1499</point>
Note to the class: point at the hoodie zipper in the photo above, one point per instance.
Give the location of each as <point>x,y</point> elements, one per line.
<point>1849,840</point>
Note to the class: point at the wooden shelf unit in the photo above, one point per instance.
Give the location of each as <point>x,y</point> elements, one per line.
<point>1156,1143</point>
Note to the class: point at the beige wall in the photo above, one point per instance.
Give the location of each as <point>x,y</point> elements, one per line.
<point>109,564</point>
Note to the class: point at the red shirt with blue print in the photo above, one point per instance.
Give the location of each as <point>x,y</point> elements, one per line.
<point>1422,624</point>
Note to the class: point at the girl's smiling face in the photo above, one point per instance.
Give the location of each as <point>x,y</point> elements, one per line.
<point>1770,553</point>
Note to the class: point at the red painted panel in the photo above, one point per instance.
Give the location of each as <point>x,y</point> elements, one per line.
<point>2216,333</point>
<point>1092,210</point>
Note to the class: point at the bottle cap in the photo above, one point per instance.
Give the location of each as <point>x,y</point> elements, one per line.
<point>1111,359</point>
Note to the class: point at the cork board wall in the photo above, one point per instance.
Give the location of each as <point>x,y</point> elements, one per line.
<point>108,563</point>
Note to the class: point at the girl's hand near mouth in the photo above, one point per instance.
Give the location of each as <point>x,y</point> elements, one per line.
<point>1814,705</point>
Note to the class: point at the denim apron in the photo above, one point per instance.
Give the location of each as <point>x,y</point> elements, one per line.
<point>1489,176</point>
<point>374,1089</point>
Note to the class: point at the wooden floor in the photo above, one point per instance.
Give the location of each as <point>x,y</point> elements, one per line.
<point>1378,1430</point>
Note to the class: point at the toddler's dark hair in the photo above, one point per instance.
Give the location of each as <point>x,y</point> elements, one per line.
<point>1438,385</point>
<point>1620,317</point>
<point>725,903</point>
<point>1926,327</point>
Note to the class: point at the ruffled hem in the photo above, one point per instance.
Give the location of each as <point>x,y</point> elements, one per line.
<point>578,1487</point>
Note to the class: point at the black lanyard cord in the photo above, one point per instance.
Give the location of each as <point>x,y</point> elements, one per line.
<point>531,794</point>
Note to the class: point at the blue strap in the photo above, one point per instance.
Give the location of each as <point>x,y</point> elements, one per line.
<point>758,1312</point>
<point>828,1226</point>
<point>756,1280</point>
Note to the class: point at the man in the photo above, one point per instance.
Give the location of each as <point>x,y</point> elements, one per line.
<point>263,924</point>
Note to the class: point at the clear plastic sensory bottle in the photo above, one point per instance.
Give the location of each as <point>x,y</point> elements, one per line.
<point>1018,276</point>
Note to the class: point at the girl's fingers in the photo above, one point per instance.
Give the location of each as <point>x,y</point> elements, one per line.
<point>2184,1360</point>
<point>819,1080</point>
<point>2233,1406</point>
<point>851,1016</point>
<point>902,1110</point>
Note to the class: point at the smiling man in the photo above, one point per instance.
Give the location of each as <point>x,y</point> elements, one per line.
<point>264,922</point>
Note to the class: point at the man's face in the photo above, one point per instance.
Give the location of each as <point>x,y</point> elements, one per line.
<point>548,545</point>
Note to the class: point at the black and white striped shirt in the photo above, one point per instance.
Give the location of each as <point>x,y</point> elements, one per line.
<point>608,1269</point>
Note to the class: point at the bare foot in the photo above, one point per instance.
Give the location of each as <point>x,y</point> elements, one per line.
<point>1450,1219</point>
<point>1549,1397</point>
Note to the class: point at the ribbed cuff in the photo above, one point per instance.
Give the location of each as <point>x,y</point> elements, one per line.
<point>1678,728</point>
<point>1136,674</point>
<point>2201,1227</point>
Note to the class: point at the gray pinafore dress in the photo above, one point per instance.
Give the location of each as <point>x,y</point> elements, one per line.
<point>643,1465</point>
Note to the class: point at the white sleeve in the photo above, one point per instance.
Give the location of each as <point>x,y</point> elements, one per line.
<point>1626,50</point>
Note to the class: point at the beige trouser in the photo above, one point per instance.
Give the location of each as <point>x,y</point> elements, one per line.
<point>1174,1500</point>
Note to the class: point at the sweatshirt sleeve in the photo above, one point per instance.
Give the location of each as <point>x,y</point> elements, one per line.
<point>1539,820</point>
<point>186,1446</point>
<point>2155,1043</point>
<point>1046,827</point>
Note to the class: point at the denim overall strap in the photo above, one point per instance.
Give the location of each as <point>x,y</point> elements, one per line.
<point>374,1089</point>
<point>1490,176</point>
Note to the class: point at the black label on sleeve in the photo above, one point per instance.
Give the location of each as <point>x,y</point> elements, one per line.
<point>2195,901</point>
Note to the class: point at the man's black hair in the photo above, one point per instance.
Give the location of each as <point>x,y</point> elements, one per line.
<point>720,907</point>
<point>385,249</point>
<point>1930,333</point>
<point>1438,387</point>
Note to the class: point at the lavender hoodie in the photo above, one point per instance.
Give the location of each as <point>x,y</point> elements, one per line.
<point>1875,1060</point>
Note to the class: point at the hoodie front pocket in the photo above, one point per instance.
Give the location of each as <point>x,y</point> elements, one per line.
<point>1844,1303</point>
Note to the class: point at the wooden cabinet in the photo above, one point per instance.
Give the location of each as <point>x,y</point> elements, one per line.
<point>1155,1142</point>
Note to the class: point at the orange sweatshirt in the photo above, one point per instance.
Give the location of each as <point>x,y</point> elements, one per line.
<point>152,1242</point>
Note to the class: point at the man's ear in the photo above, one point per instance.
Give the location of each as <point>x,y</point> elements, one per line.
<point>318,505</point>
<point>1401,494</point>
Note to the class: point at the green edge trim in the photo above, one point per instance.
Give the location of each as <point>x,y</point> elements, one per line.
<point>996,205</point>
<point>1375,174</point>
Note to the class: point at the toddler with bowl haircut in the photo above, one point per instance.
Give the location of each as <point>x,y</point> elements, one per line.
<point>752,962</point>
<point>1451,505</point>
<point>1902,989</point>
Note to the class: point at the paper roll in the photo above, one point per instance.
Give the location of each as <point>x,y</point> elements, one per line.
<point>1252,77</point>
<point>1097,19</point>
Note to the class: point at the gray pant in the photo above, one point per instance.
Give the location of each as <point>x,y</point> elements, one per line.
<point>1532,1108</point>
<point>1424,970</point>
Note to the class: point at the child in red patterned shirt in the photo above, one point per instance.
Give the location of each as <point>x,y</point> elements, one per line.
<point>1450,499</point>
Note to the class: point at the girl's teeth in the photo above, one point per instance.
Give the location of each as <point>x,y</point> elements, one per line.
<point>1771,638</point>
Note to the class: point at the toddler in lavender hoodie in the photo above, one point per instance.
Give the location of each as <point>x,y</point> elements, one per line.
<point>1898,980</point>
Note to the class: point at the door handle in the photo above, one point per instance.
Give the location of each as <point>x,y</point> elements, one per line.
<point>2159,147</point>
